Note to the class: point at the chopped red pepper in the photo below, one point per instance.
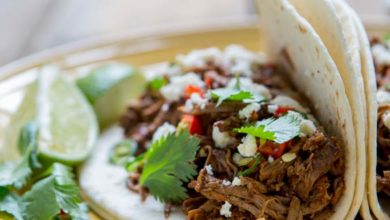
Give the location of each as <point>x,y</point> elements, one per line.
<point>209,81</point>
<point>190,89</point>
<point>282,109</point>
<point>273,149</point>
<point>194,124</point>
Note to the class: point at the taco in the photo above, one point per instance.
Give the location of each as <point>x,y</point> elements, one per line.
<point>378,186</point>
<point>225,134</point>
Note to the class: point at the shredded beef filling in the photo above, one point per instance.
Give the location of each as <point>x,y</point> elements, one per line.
<point>307,187</point>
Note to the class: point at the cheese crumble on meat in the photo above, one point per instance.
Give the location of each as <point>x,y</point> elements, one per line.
<point>248,110</point>
<point>221,139</point>
<point>225,210</point>
<point>194,100</point>
<point>248,85</point>
<point>175,89</point>
<point>236,181</point>
<point>209,169</point>
<point>248,147</point>
<point>200,58</point>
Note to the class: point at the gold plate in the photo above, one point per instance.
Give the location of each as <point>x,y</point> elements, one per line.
<point>141,48</point>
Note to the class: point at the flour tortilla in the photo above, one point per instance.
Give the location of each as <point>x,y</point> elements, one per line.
<point>333,23</point>
<point>372,108</point>
<point>315,74</point>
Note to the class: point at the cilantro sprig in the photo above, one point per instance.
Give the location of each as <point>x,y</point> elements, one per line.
<point>278,130</point>
<point>59,192</point>
<point>231,94</point>
<point>11,203</point>
<point>158,83</point>
<point>17,174</point>
<point>55,190</point>
<point>167,165</point>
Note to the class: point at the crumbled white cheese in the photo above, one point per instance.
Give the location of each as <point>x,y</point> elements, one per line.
<point>195,99</point>
<point>386,119</point>
<point>236,181</point>
<point>383,97</point>
<point>381,54</point>
<point>288,157</point>
<point>225,210</point>
<point>163,69</point>
<point>226,182</point>
<point>272,108</point>
<point>242,67</point>
<point>175,89</point>
<point>255,88</point>
<point>200,58</point>
<point>221,139</point>
<point>165,107</point>
<point>307,127</point>
<point>248,110</point>
<point>163,131</point>
<point>248,147</point>
<point>236,52</point>
<point>240,60</point>
<point>270,159</point>
<point>209,169</point>
<point>283,100</point>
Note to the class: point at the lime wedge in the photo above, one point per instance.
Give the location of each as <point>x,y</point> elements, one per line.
<point>109,88</point>
<point>67,124</point>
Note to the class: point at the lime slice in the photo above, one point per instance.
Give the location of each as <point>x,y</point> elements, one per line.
<point>67,124</point>
<point>109,88</point>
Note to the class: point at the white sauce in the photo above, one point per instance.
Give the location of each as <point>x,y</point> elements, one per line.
<point>104,186</point>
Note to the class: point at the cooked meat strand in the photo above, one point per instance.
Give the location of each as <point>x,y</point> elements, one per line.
<point>220,160</point>
<point>383,183</point>
<point>294,211</point>
<point>303,175</point>
<point>246,196</point>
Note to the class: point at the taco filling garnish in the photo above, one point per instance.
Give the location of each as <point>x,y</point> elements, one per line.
<point>224,135</point>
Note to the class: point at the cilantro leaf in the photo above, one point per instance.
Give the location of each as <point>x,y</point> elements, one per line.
<point>52,194</point>
<point>16,174</point>
<point>230,94</point>
<point>169,163</point>
<point>279,130</point>
<point>11,204</point>
<point>158,83</point>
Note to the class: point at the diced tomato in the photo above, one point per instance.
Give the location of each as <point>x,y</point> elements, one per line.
<point>273,149</point>
<point>190,89</point>
<point>194,124</point>
<point>209,81</point>
<point>282,109</point>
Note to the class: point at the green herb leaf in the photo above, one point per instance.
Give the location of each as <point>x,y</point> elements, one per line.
<point>54,193</point>
<point>279,130</point>
<point>16,174</point>
<point>11,204</point>
<point>158,83</point>
<point>169,163</point>
<point>135,163</point>
<point>230,94</point>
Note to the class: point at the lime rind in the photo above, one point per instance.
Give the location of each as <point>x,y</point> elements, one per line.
<point>70,134</point>
<point>110,88</point>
